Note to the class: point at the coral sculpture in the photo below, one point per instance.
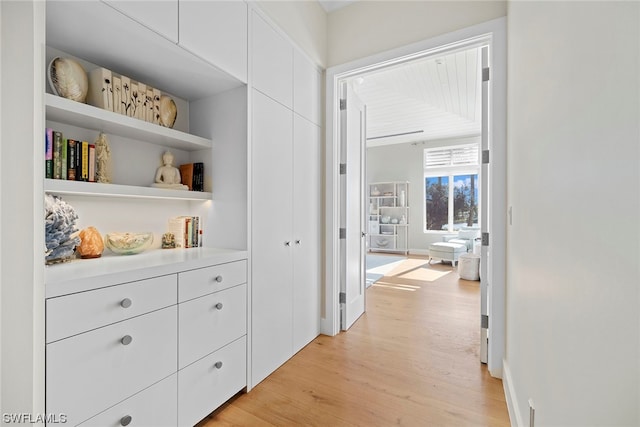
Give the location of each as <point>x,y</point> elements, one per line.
<point>61,234</point>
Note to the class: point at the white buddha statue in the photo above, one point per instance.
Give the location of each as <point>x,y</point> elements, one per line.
<point>167,175</point>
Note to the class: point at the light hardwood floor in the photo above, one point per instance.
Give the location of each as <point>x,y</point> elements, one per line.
<point>410,360</point>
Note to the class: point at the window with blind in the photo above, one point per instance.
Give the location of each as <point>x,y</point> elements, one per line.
<point>451,187</point>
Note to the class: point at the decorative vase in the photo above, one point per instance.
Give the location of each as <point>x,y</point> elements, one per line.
<point>402,198</point>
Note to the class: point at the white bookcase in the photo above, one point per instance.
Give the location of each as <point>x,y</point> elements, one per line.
<point>389,217</point>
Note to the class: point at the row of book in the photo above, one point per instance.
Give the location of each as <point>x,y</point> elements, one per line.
<point>186,230</point>
<point>192,175</point>
<point>122,95</point>
<point>68,159</point>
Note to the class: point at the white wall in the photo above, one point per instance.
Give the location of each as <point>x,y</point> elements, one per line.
<point>573,275</point>
<point>365,28</point>
<point>21,281</point>
<point>404,162</point>
<point>305,22</point>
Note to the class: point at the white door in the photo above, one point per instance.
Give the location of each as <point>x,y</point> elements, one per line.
<point>307,243</point>
<point>271,235</point>
<point>485,272</point>
<point>352,243</point>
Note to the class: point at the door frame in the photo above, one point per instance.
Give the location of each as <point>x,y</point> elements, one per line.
<point>494,34</point>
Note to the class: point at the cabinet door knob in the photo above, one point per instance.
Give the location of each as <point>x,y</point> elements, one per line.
<point>126,420</point>
<point>218,306</point>
<point>125,303</point>
<point>218,365</point>
<point>298,241</point>
<point>218,278</point>
<point>287,243</point>
<point>126,340</point>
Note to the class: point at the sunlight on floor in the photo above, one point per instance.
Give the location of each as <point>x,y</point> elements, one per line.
<point>416,269</point>
<point>425,274</point>
<point>396,286</point>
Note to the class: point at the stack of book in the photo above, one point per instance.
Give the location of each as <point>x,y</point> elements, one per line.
<point>186,230</point>
<point>120,94</point>
<point>69,159</point>
<point>192,175</point>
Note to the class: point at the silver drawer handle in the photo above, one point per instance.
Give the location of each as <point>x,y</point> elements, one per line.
<point>218,278</point>
<point>126,340</point>
<point>218,306</point>
<point>126,420</point>
<point>218,365</point>
<point>125,303</point>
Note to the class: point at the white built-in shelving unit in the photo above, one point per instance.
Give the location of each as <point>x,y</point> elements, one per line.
<point>389,217</point>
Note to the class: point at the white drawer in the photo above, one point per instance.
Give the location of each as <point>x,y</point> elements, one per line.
<point>210,322</point>
<point>203,281</point>
<point>90,372</point>
<point>72,314</point>
<point>209,382</point>
<point>155,406</point>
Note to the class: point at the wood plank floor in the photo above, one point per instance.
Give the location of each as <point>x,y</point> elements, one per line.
<point>410,360</point>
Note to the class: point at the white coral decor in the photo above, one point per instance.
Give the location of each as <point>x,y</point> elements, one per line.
<point>61,234</point>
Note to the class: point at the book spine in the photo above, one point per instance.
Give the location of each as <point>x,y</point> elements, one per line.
<point>71,159</point>
<point>142,94</point>
<point>186,175</point>
<point>148,103</point>
<point>133,112</point>
<point>156,105</point>
<point>63,158</point>
<point>187,243</point>
<point>84,170</point>
<point>48,153</point>
<point>125,96</point>
<point>57,155</point>
<point>198,176</point>
<point>117,90</point>
<point>92,163</point>
<point>196,232</point>
<point>100,93</point>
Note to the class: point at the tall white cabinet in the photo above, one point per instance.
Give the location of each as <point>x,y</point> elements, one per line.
<point>285,206</point>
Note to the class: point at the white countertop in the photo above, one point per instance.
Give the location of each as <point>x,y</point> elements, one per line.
<point>87,274</point>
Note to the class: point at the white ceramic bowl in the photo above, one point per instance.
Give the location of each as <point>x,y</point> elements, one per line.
<point>128,243</point>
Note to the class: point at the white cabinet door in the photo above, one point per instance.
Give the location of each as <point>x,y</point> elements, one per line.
<point>272,62</point>
<point>271,236</point>
<point>216,31</point>
<point>306,88</point>
<point>307,211</point>
<point>159,16</point>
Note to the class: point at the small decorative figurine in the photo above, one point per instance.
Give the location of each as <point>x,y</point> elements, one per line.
<point>168,241</point>
<point>103,159</point>
<point>168,176</point>
<point>91,243</point>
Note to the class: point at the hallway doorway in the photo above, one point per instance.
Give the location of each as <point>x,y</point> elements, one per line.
<point>490,34</point>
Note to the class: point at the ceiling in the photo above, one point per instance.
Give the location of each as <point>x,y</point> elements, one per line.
<point>438,97</point>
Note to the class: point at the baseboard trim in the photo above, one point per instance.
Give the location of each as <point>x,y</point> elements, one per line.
<point>510,396</point>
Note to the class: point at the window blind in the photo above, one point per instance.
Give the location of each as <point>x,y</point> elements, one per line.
<point>460,155</point>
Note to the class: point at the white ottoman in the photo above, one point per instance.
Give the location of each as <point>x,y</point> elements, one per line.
<point>446,251</point>
<point>469,266</point>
